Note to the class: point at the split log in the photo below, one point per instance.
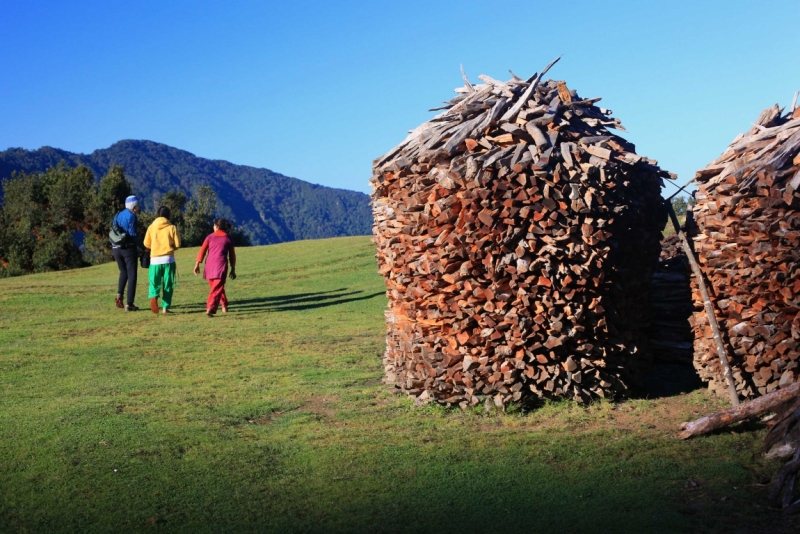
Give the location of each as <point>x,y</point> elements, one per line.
<point>517,237</point>
<point>738,413</point>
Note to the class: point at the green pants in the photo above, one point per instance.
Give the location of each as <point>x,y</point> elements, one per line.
<point>162,277</point>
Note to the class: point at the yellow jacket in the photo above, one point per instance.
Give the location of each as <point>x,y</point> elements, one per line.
<point>162,238</point>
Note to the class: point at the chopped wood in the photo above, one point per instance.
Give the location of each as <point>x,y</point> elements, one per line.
<point>747,242</point>
<point>517,236</point>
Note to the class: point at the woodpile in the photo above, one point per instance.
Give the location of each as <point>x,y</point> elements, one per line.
<point>748,245</point>
<point>517,236</point>
<point>670,334</point>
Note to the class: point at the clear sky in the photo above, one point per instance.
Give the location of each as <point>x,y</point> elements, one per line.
<point>317,90</point>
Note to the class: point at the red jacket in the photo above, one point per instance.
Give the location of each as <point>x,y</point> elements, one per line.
<point>219,246</point>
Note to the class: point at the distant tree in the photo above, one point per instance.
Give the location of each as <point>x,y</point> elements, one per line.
<point>199,216</point>
<point>680,205</point>
<point>239,236</point>
<point>176,202</point>
<point>41,215</point>
<point>107,200</point>
<point>45,216</point>
<point>112,191</point>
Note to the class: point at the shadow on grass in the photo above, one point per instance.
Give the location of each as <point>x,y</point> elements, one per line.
<point>669,380</point>
<point>590,483</point>
<point>295,302</point>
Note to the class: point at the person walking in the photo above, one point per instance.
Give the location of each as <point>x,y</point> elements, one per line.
<point>126,253</point>
<point>162,239</point>
<point>219,247</point>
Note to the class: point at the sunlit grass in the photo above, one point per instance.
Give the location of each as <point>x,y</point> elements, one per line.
<point>273,418</point>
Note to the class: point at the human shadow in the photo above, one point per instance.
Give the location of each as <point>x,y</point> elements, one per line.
<point>669,380</point>
<point>308,304</point>
<point>197,307</point>
<point>293,302</point>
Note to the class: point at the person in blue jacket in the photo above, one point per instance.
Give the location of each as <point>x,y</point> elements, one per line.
<point>127,254</point>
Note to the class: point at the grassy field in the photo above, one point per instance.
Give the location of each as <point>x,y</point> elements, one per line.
<point>274,419</point>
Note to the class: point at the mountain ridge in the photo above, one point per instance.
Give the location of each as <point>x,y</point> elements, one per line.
<point>269,206</point>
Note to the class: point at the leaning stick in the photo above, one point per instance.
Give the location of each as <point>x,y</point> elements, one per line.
<point>712,319</point>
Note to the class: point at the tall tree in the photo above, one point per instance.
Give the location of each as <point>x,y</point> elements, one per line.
<point>176,202</point>
<point>107,200</point>
<point>199,216</point>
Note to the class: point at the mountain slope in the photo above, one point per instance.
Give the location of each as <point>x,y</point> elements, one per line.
<point>271,207</point>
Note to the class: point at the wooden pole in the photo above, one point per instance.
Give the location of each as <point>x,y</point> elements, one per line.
<point>712,319</point>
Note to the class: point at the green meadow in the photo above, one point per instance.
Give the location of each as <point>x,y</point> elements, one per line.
<point>273,418</point>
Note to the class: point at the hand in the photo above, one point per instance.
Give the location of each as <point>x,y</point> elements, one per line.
<point>233,274</point>
<point>196,269</point>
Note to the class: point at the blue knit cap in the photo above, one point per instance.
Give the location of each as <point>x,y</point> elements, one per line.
<point>131,202</point>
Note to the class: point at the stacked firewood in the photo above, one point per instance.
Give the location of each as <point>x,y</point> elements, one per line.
<point>670,334</point>
<point>517,236</point>
<point>748,246</point>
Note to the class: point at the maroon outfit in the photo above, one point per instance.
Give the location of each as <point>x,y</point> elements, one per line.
<point>219,246</point>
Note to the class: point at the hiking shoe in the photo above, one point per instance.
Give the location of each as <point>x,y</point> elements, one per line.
<point>131,307</point>
<point>154,304</point>
<point>118,302</point>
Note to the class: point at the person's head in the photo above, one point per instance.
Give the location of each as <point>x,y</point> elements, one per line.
<point>222,224</point>
<point>163,211</point>
<point>132,203</point>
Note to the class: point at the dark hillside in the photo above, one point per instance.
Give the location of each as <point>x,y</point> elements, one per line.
<point>273,208</point>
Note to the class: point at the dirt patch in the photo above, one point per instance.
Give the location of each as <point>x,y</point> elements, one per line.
<point>322,407</point>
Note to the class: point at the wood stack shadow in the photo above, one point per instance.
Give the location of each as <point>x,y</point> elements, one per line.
<point>670,334</point>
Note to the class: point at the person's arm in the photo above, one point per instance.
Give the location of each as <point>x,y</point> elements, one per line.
<point>147,240</point>
<point>129,224</point>
<point>200,256</point>
<point>232,255</point>
<point>136,235</point>
<point>126,220</point>
<point>176,237</point>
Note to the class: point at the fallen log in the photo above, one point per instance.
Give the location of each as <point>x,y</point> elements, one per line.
<point>738,413</point>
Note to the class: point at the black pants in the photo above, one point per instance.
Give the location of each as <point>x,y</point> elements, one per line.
<point>127,261</point>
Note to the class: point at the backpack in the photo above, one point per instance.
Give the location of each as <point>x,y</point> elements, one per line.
<point>118,236</point>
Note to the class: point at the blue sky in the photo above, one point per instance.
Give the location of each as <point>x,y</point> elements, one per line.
<point>317,90</point>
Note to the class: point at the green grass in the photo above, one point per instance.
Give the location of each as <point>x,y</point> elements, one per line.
<point>273,419</point>
<point>670,229</point>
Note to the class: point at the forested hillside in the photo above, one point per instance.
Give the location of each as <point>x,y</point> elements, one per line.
<point>270,207</point>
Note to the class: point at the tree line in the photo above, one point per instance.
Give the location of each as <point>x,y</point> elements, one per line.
<point>60,219</point>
